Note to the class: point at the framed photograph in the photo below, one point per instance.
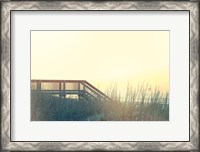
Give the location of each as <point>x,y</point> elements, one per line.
<point>109,75</point>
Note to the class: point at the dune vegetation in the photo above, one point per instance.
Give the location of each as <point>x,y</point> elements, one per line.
<point>139,104</point>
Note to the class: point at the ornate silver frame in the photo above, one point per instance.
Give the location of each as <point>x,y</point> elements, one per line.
<point>7,6</point>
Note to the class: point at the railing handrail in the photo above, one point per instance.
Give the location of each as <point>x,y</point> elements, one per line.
<point>53,81</point>
<point>98,90</point>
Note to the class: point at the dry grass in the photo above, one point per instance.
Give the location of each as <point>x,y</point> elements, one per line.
<point>139,105</point>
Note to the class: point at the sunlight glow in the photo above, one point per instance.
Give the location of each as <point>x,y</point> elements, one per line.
<point>102,57</point>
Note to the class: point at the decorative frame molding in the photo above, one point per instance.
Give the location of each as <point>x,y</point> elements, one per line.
<point>8,6</point>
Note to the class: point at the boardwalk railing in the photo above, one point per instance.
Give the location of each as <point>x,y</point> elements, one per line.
<point>80,89</point>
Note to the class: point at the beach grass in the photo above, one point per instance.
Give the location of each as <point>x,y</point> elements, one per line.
<point>139,104</point>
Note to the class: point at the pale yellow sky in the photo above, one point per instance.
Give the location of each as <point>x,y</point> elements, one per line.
<point>102,57</point>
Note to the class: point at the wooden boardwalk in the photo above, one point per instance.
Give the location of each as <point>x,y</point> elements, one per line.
<point>79,89</point>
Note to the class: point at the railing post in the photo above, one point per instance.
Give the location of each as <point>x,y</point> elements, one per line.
<point>38,85</point>
<point>60,92</point>
<point>64,88</point>
<point>83,86</point>
<point>78,91</point>
<point>83,89</point>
